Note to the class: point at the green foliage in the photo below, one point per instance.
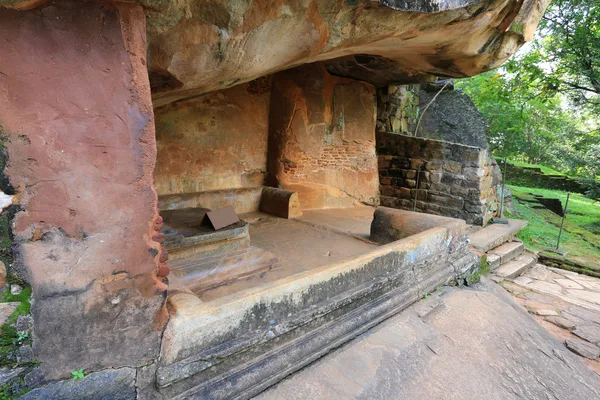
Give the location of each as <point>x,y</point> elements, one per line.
<point>78,374</point>
<point>543,104</point>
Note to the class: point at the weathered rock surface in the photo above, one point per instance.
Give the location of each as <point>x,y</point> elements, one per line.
<point>198,48</point>
<point>81,144</point>
<point>481,345</point>
<point>452,117</point>
<point>114,384</point>
<point>583,348</point>
<point>213,142</point>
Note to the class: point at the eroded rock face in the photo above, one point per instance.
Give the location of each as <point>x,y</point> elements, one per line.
<point>198,48</point>
<point>76,111</point>
<point>213,142</point>
<point>322,138</point>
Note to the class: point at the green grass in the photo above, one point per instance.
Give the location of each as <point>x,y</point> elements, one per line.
<point>581,235</point>
<point>23,308</point>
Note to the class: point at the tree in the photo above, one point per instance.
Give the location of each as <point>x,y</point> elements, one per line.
<point>566,55</point>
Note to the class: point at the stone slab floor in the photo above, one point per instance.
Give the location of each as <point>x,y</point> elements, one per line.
<point>459,343</point>
<point>567,304</point>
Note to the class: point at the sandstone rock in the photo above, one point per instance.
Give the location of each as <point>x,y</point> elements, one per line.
<point>591,333</point>
<point>544,312</point>
<point>583,348</point>
<point>561,322</point>
<point>114,384</point>
<point>195,50</point>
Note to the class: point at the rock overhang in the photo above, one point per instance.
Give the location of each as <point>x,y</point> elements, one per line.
<point>380,42</point>
<point>197,48</point>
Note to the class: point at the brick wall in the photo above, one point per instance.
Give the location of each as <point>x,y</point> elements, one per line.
<point>437,177</point>
<point>322,138</point>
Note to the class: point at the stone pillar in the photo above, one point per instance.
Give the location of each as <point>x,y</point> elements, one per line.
<point>322,138</point>
<point>76,116</point>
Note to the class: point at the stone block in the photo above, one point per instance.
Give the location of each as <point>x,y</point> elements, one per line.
<point>400,163</point>
<point>583,348</point>
<point>25,354</point>
<point>6,310</point>
<point>424,185</point>
<point>385,180</point>
<point>474,207</point>
<point>451,179</point>
<point>434,165</point>
<point>410,174</point>
<point>410,183</point>
<point>396,173</point>
<point>591,333</point>
<point>459,191</point>
<point>435,177</point>
<point>387,191</point>
<point>34,378</point>
<point>425,176</point>
<point>384,162</point>
<point>473,172</point>
<point>398,182</point>
<point>417,163</point>
<point>453,167</point>
<point>404,193</point>
<point>440,188</point>
<point>114,384</point>
<point>420,194</point>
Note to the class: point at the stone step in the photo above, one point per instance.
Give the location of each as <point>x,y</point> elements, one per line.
<point>507,252</point>
<point>495,234</point>
<point>516,267</point>
<point>200,273</point>
<point>493,261</point>
<point>184,244</point>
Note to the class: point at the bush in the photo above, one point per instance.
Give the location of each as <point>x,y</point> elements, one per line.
<point>592,188</point>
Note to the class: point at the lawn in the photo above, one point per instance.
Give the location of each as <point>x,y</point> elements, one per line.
<point>581,235</point>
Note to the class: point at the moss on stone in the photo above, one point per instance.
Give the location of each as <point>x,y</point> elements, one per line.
<point>473,278</point>
<point>484,265</point>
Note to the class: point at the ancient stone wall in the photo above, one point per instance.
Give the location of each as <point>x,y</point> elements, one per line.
<point>214,142</point>
<point>434,110</point>
<point>76,117</point>
<point>436,177</point>
<point>534,177</point>
<point>322,138</point>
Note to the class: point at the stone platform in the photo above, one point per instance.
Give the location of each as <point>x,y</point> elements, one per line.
<point>466,344</point>
<point>236,340</point>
